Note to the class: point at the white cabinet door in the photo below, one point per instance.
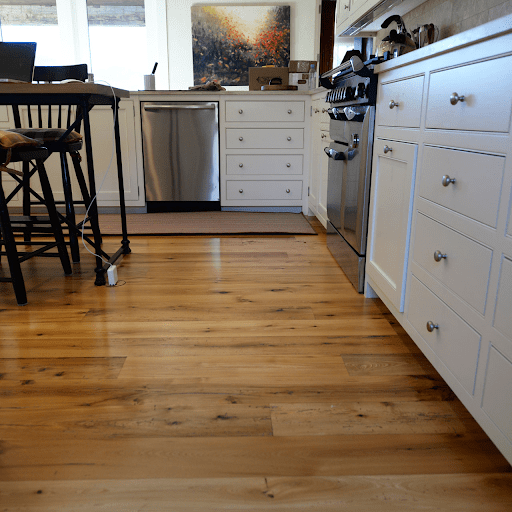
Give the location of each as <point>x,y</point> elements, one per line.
<point>394,168</point>
<point>101,121</point>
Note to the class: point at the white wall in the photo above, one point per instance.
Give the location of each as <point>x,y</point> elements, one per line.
<point>303,46</point>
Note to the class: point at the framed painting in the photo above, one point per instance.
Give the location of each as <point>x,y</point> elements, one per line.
<point>227,41</point>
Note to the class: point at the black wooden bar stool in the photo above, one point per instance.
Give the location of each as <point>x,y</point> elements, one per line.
<point>50,127</point>
<point>17,148</point>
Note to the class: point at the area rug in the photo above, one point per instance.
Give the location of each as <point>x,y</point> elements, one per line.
<point>207,223</point>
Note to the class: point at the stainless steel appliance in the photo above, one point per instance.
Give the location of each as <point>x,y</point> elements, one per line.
<point>352,98</point>
<point>181,155</point>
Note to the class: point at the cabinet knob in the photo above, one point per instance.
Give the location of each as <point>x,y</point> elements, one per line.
<point>323,136</point>
<point>287,190</point>
<point>346,6</point>
<point>431,326</point>
<point>288,165</point>
<point>241,191</point>
<point>240,165</point>
<point>289,111</point>
<point>240,111</point>
<point>438,256</point>
<point>387,149</point>
<point>316,110</point>
<point>455,98</point>
<point>288,138</point>
<point>240,139</point>
<point>447,180</point>
<point>324,110</point>
<point>393,104</point>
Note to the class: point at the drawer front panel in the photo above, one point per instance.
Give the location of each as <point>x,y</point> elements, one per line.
<point>270,111</point>
<point>401,102</point>
<point>263,190</point>
<point>466,268</point>
<point>476,190</point>
<point>497,397</point>
<point>502,315</point>
<point>487,103</point>
<point>455,342</point>
<point>264,164</point>
<point>261,138</point>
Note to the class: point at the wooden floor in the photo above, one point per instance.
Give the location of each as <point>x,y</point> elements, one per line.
<point>234,373</point>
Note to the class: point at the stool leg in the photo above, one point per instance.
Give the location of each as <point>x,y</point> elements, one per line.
<point>27,232</point>
<point>54,218</point>
<point>70,209</point>
<point>12,253</point>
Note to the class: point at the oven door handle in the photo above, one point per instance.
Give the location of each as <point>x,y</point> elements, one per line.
<point>338,155</point>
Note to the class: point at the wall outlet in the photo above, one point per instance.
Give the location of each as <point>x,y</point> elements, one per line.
<point>112,275</point>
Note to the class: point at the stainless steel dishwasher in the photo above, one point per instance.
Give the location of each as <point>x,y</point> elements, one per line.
<point>180,142</point>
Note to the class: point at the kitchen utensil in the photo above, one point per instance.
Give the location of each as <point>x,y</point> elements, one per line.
<point>425,35</point>
<point>399,41</point>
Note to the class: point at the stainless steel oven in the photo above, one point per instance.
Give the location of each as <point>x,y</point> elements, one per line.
<point>352,98</point>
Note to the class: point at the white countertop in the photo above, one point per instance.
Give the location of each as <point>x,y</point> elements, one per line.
<point>490,30</point>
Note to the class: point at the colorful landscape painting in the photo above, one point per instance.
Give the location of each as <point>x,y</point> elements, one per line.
<point>227,41</point>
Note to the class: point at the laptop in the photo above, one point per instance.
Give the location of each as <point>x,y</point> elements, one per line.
<point>17,62</point>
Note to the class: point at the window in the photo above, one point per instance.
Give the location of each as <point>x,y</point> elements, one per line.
<point>117,42</point>
<point>33,21</point>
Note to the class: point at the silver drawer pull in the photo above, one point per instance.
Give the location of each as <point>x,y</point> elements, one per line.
<point>288,165</point>
<point>455,98</point>
<point>240,165</point>
<point>241,191</point>
<point>393,104</point>
<point>438,256</point>
<point>240,111</point>
<point>240,139</point>
<point>288,138</point>
<point>289,111</point>
<point>431,326</point>
<point>447,180</point>
<point>287,190</point>
<point>387,149</point>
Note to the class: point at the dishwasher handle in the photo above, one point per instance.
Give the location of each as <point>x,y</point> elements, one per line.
<point>179,107</point>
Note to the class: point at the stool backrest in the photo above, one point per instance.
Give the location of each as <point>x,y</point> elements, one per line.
<point>43,114</point>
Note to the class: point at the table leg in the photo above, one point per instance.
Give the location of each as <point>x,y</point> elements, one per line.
<point>93,210</point>
<point>125,242</point>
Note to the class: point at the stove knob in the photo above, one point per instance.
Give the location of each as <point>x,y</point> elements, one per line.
<point>349,93</point>
<point>361,90</point>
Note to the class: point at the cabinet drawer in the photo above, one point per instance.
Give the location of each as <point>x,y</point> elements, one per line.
<point>264,164</point>
<point>399,103</point>
<point>270,111</point>
<point>454,341</point>
<point>502,316</point>
<point>263,190</point>
<point>497,396</point>
<point>478,178</point>
<point>487,103</point>
<point>467,265</point>
<point>261,138</point>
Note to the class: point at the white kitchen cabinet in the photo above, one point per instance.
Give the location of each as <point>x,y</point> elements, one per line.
<point>265,152</point>
<point>320,139</point>
<point>458,301</point>
<point>393,172</point>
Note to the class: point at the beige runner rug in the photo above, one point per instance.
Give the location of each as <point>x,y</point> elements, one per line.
<point>207,223</point>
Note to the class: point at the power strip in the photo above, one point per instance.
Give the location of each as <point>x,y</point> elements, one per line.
<point>112,275</point>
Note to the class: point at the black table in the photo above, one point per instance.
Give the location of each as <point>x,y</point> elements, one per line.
<point>85,96</point>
